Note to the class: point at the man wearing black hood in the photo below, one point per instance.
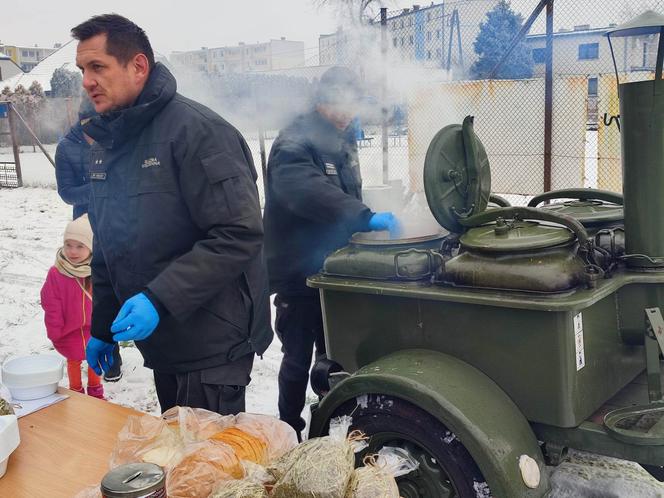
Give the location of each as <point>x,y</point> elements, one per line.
<point>177,263</point>
<point>72,163</point>
<point>72,175</point>
<point>313,206</point>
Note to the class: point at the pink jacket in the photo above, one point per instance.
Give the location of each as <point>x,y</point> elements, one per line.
<point>67,311</point>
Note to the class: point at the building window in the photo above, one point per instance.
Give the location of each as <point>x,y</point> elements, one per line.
<point>592,87</point>
<point>588,51</point>
<point>539,55</point>
<point>24,53</point>
<point>394,42</point>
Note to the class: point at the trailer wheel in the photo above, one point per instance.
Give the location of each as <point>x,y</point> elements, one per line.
<point>654,470</point>
<point>446,468</point>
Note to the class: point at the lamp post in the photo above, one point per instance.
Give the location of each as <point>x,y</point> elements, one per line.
<point>641,124</point>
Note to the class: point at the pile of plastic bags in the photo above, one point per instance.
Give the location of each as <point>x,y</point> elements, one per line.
<point>206,455</point>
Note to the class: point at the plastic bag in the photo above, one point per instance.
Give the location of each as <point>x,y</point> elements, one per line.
<point>200,467</point>
<point>239,489</point>
<point>252,486</point>
<point>377,478</point>
<point>196,424</point>
<point>246,445</point>
<point>278,436</point>
<point>319,467</point>
<point>145,439</point>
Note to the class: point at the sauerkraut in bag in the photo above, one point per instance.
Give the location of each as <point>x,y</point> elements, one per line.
<point>377,479</point>
<point>319,467</point>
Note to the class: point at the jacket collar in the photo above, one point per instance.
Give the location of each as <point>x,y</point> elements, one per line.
<point>117,126</point>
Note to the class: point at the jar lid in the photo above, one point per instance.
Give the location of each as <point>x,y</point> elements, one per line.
<point>133,480</point>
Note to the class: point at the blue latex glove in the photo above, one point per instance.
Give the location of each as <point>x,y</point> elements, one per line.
<point>386,221</point>
<point>136,320</point>
<point>99,355</point>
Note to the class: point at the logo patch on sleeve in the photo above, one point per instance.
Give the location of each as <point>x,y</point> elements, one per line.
<point>151,163</point>
<point>330,169</point>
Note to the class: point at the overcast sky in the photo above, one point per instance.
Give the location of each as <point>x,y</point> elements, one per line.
<point>191,24</point>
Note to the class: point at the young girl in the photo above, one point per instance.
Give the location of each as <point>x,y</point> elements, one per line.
<point>67,301</point>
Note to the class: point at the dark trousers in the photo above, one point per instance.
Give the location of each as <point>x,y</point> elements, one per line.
<point>299,326</point>
<point>219,389</point>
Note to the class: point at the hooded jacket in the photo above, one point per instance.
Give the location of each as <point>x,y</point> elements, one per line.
<point>314,200</point>
<point>67,311</point>
<point>175,212</point>
<point>72,158</point>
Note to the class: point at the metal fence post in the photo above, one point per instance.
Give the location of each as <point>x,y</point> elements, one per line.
<point>548,98</point>
<point>383,96</point>
<point>15,149</point>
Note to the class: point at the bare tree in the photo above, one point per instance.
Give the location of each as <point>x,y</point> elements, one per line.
<point>361,11</point>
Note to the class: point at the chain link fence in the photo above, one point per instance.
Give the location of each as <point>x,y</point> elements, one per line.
<point>422,71</point>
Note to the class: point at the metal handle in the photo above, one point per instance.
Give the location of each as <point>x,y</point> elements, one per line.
<point>583,194</point>
<point>473,177</point>
<point>431,256</point>
<point>615,118</point>
<point>499,200</point>
<point>528,213</point>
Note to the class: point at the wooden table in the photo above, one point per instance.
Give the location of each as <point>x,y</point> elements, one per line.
<point>64,448</point>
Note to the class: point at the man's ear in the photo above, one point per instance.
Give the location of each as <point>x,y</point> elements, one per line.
<point>141,67</point>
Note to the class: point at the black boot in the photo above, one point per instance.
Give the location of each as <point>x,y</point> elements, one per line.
<point>115,373</point>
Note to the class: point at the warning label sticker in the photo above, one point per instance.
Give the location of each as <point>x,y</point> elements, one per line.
<point>578,342</point>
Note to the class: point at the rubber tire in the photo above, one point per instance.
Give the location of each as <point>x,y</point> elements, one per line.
<point>387,414</point>
<point>654,470</point>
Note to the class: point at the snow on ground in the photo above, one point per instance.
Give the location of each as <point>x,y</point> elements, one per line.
<point>32,220</point>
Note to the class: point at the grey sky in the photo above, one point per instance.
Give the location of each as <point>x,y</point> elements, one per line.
<point>190,24</point>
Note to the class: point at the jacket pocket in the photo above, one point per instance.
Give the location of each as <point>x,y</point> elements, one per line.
<point>234,192</point>
<point>231,306</point>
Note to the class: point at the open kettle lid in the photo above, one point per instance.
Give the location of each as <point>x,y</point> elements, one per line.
<point>457,176</point>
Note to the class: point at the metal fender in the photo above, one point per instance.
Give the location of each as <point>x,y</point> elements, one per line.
<point>467,402</point>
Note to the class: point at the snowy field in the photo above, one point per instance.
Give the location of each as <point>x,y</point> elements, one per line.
<point>32,220</point>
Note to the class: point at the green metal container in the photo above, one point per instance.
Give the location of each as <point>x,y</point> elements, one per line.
<point>525,343</point>
<point>523,324</point>
<point>642,122</point>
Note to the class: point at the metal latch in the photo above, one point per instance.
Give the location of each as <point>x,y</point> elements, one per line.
<point>654,343</point>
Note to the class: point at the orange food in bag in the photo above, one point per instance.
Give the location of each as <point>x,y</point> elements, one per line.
<point>202,466</point>
<point>246,446</point>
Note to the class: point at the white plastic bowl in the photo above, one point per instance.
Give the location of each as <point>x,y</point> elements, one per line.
<point>32,377</point>
<point>9,440</point>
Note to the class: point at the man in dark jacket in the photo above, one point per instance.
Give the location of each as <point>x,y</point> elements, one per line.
<point>177,263</point>
<point>313,206</point>
<point>72,175</point>
<point>72,158</point>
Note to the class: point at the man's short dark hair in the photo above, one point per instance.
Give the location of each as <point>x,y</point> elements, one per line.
<point>124,39</point>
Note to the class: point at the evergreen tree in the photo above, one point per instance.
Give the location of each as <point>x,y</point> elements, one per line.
<point>494,39</point>
<point>66,83</point>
